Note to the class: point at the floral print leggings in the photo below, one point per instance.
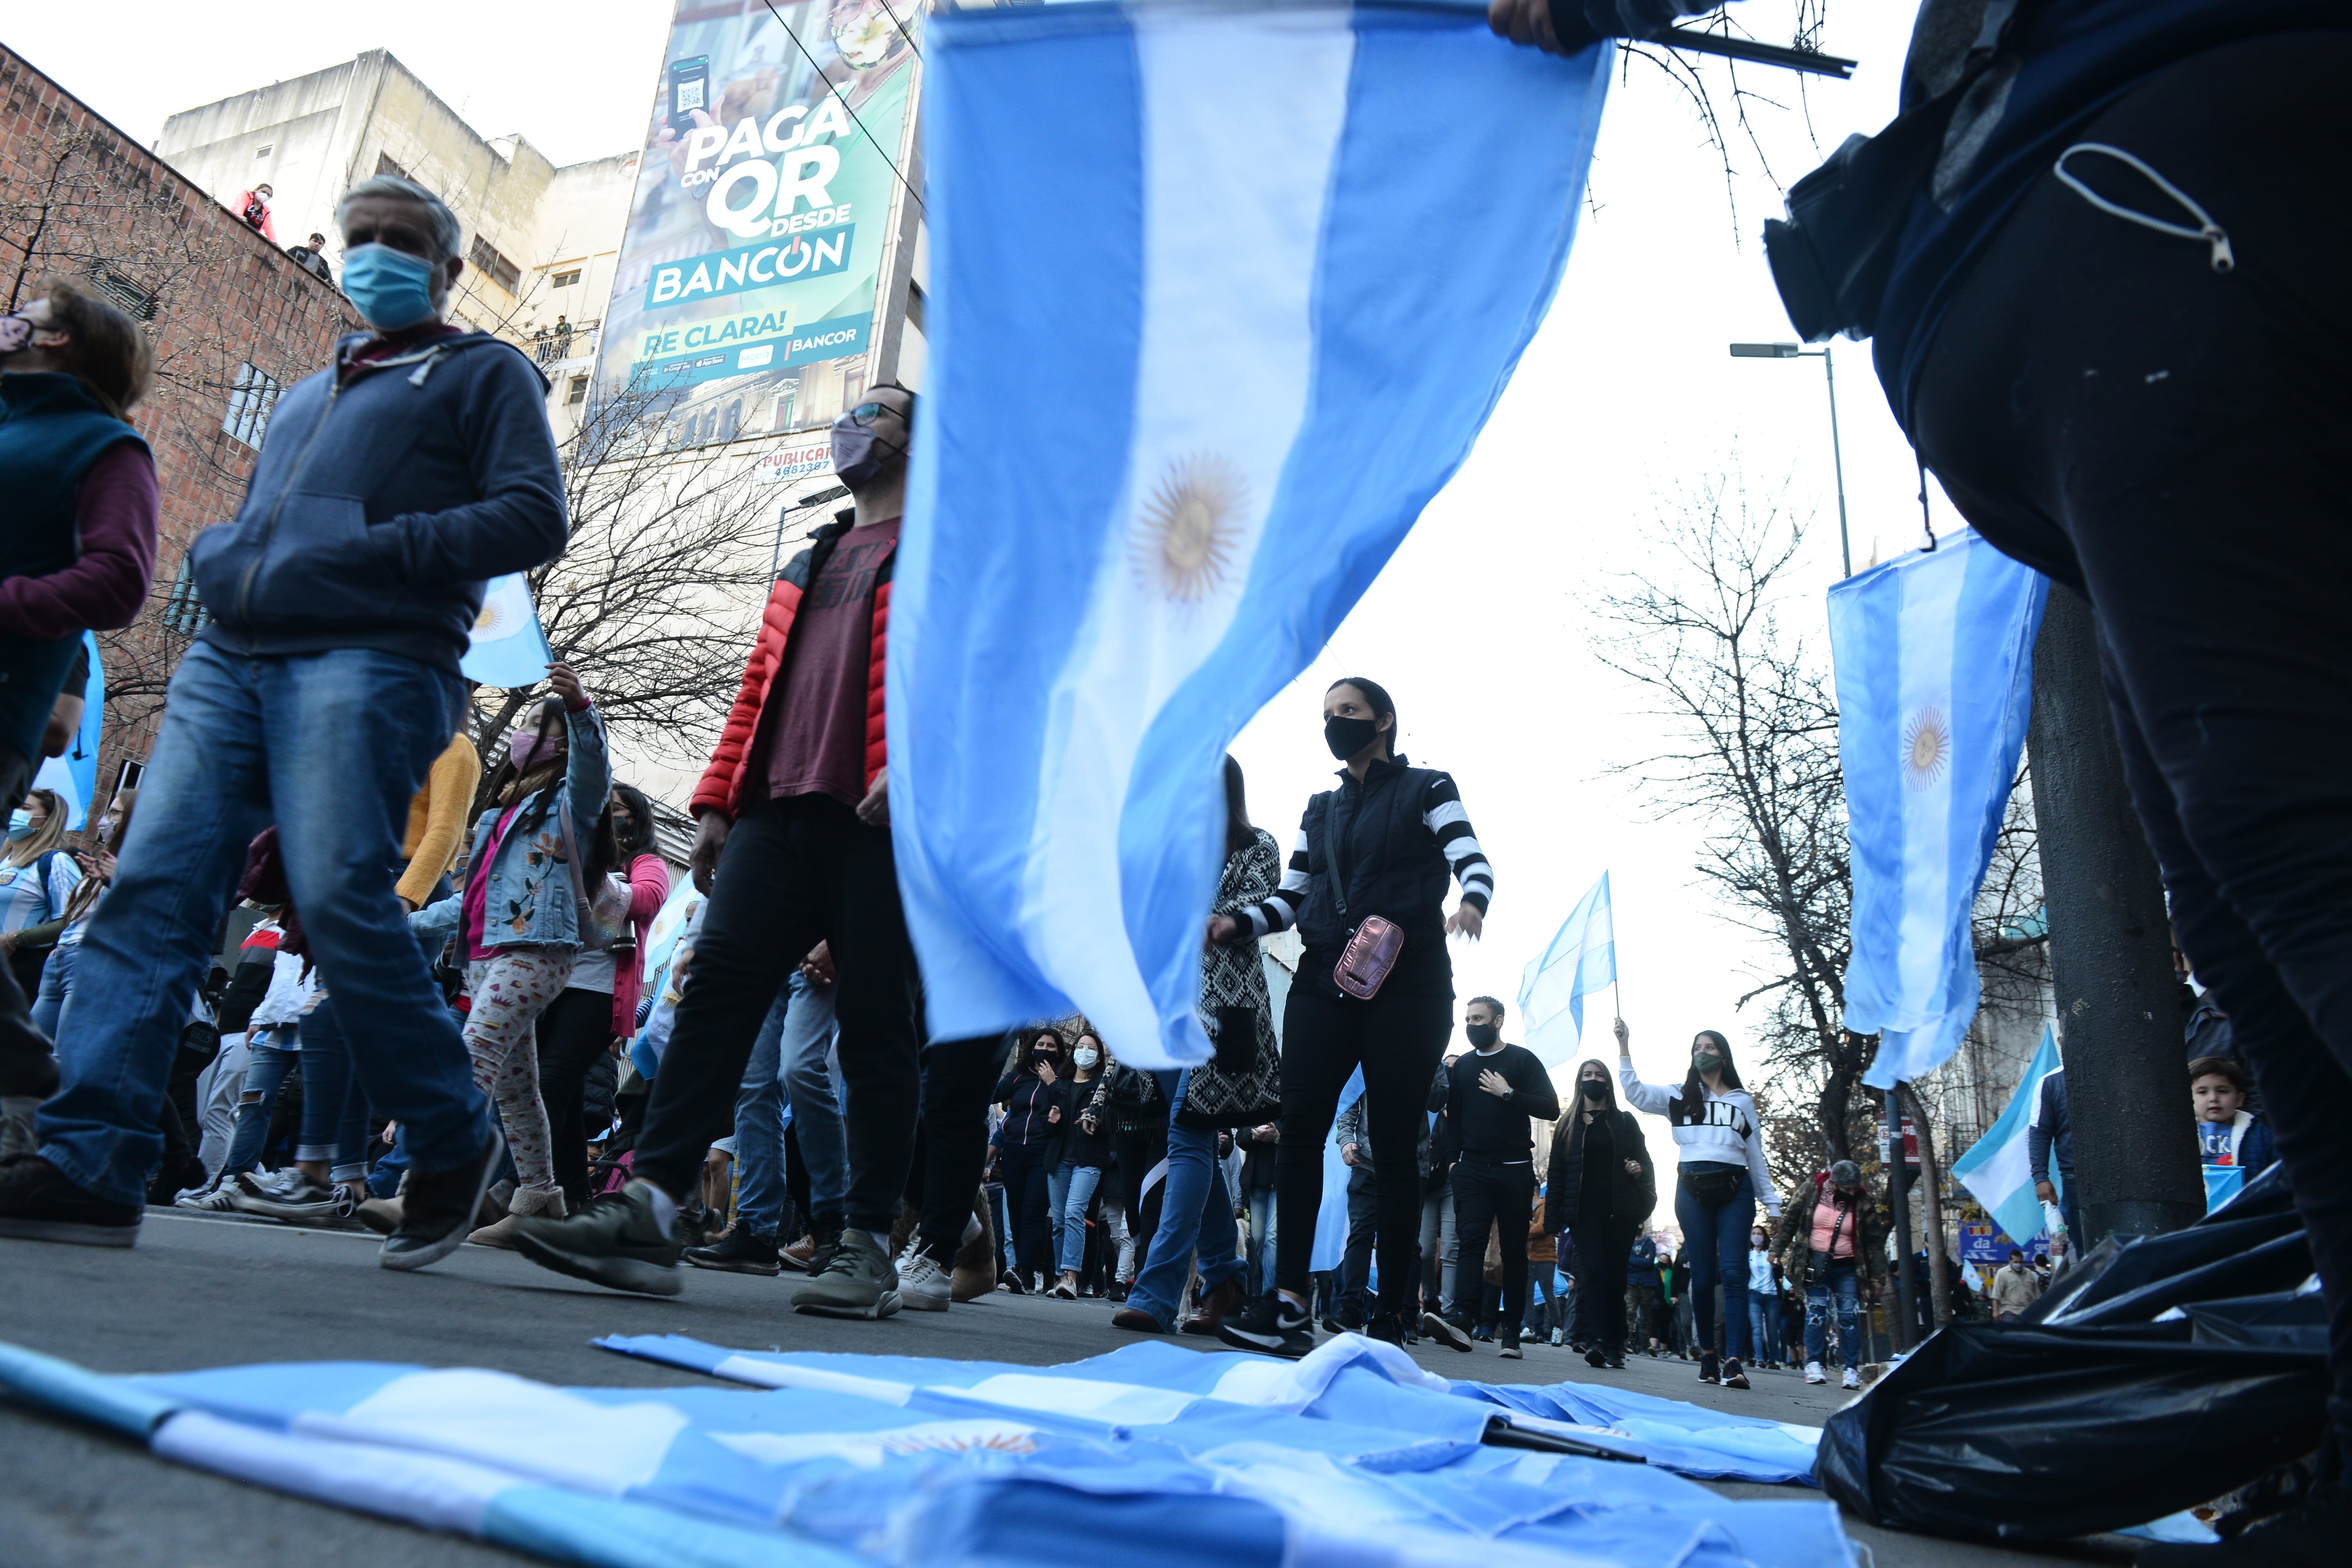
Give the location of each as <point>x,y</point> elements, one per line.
<point>510,990</point>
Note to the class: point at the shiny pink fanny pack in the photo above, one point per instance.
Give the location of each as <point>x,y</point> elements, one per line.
<point>1372,951</point>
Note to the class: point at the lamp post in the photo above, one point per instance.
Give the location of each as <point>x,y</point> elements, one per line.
<point>1837,453</point>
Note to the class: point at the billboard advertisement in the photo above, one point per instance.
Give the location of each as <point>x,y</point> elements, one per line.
<point>749,284</point>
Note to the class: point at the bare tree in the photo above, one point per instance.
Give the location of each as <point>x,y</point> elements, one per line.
<point>657,594</point>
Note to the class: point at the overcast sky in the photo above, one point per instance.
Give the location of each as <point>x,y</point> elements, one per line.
<point>1626,397</point>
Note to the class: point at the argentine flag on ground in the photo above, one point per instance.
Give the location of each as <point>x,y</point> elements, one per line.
<point>509,648</point>
<point>1581,959</point>
<point>1221,296</point>
<point>1996,1169</point>
<point>1934,653</point>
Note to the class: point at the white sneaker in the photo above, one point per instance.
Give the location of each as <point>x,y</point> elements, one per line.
<point>1852,1379</point>
<point>923,1284</point>
<point>1814,1373</point>
<point>214,1200</point>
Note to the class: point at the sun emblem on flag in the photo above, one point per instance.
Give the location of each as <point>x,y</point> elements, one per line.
<point>1186,533</point>
<point>1926,748</point>
<point>491,624</point>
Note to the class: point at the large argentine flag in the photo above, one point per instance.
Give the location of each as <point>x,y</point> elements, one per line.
<point>1221,296</point>
<point>74,776</point>
<point>1934,653</point>
<point>1996,1169</point>
<point>1581,959</point>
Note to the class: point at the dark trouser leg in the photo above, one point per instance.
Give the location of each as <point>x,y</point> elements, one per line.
<point>1600,1284</point>
<point>1355,1279</point>
<point>957,1077</point>
<point>766,911</point>
<point>2105,406</point>
<point>1403,1039</point>
<point>873,1002</point>
<point>1506,1195</point>
<point>1473,1222</point>
<point>1320,1039</point>
<point>576,1029</point>
<point>1024,1195</point>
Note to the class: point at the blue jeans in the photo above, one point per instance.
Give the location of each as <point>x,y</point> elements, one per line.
<point>331,747</point>
<point>1261,1218</point>
<point>267,1068</point>
<point>787,1069</point>
<point>56,984</point>
<point>1718,1251</point>
<point>1847,1286</point>
<point>1077,1185</point>
<point>1195,1211</point>
<point>334,1111</point>
<point>1764,1325</point>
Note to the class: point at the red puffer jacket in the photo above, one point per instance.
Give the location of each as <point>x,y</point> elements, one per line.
<point>721,788</point>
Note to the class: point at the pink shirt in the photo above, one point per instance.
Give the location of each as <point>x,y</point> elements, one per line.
<point>1825,1220</point>
<point>476,907</point>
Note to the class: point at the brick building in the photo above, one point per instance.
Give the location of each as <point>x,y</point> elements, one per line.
<point>232,318</point>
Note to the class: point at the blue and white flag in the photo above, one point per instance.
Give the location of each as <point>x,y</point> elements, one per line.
<point>1996,1170</point>
<point>509,648</point>
<point>1934,653</point>
<point>74,776</point>
<point>1223,295</point>
<point>1581,959</point>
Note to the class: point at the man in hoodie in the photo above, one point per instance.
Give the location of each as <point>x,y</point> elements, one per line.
<point>392,485</point>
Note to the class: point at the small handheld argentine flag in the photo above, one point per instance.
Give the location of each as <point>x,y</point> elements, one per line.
<point>73,777</point>
<point>1222,294</point>
<point>1996,1169</point>
<point>1934,654</point>
<point>509,648</point>
<point>1581,959</point>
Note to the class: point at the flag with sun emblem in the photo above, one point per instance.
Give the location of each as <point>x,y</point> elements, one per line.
<point>1220,296</point>
<point>507,647</point>
<point>1934,653</point>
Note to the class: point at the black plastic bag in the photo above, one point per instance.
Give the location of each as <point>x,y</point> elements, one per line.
<point>2251,1246</point>
<point>2286,1319</point>
<point>2021,1434</point>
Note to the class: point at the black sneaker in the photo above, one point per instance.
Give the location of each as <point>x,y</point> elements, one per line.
<point>1595,1358</point>
<point>1271,1324</point>
<point>1445,1333</point>
<point>1734,1376</point>
<point>39,1204</point>
<point>1708,1371</point>
<point>1386,1327</point>
<point>289,1196</point>
<point>738,1251</point>
<point>436,1213</point>
<point>1483,1333</point>
<point>614,1242</point>
<point>1511,1351</point>
<point>1617,1364</point>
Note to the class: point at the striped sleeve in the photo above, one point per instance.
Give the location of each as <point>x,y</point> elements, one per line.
<point>1442,812</point>
<point>1280,911</point>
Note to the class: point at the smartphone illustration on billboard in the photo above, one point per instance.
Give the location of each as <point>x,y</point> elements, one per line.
<point>689,90</point>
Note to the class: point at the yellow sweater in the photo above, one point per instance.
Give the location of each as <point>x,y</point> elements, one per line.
<point>437,817</point>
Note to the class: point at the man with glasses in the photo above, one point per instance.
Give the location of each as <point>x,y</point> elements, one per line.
<point>797,797</point>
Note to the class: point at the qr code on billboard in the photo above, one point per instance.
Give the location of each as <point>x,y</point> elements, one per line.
<point>689,96</point>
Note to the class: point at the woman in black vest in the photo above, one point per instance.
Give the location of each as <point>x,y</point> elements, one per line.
<point>1378,851</point>
<point>1601,1187</point>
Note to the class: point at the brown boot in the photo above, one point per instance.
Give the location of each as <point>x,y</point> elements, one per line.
<point>526,1202</point>
<point>975,1260</point>
<point>1226,1298</point>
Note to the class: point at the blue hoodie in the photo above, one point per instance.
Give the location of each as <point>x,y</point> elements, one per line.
<point>384,499</point>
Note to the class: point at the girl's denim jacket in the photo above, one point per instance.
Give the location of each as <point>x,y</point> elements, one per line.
<point>531,898</point>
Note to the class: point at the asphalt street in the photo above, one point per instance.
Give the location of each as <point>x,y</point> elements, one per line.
<point>210,1291</point>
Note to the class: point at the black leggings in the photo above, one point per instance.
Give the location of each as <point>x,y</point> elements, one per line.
<point>1397,1040</point>
<point>2103,404</point>
<point>1605,1247</point>
<point>1025,1171</point>
<point>576,1029</point>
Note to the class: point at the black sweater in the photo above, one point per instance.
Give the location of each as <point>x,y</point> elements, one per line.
<point>1495,1129</point>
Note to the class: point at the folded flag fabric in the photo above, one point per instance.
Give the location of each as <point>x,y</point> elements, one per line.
<point>1245,281</point>
<point>836,1461</point>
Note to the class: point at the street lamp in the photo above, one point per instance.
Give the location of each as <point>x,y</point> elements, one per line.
<point>1837,454</point>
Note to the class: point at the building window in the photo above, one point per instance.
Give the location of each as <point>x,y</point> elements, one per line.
<point>493,266</point>
<point>134,301</point>
<point>384,165</point>
<point>263,150</point>
<point>250,398</point>
<point>183,612</point>
<point>565,279</point>
<point>579,393</point>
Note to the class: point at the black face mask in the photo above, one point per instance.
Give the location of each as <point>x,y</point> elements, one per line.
<point>1346,737</point>
<point>1596,1089</point>
<point>1481,1035</point>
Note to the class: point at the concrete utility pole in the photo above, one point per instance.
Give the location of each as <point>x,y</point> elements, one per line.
<point>2110,952</point>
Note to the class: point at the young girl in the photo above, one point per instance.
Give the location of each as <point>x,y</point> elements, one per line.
<point>1721,1145</point>
<point>518,918</point>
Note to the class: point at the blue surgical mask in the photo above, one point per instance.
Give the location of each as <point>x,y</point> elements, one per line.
<point>20,824</point>
<point>391,289</point>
